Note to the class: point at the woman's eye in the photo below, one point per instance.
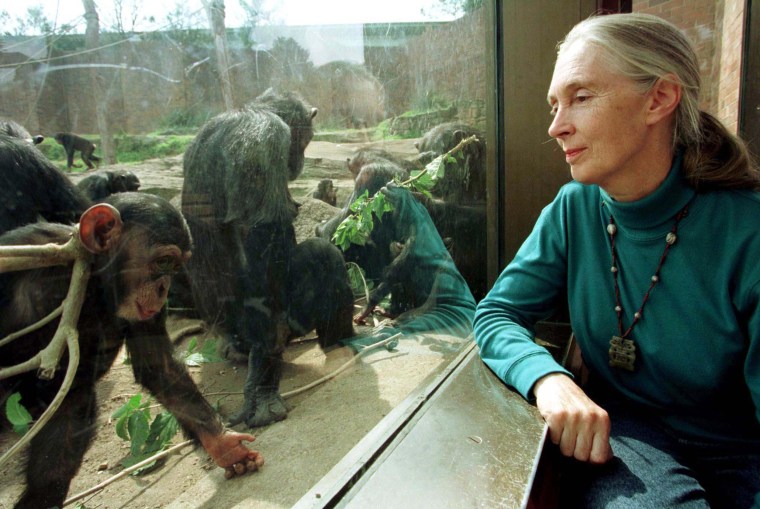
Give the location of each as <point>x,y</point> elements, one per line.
<point>582,98</point>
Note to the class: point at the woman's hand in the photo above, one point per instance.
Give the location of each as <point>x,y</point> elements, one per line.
<point>577,425</point>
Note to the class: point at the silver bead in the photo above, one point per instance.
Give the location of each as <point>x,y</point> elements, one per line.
<point>618,309</point>
<point>611,229</point>
<point>655,279</point>
<point>670,238</point>
<point>637,315</point>
<point>613,269</point>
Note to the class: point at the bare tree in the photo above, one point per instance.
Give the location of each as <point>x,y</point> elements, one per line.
<point>215,13</point>
<point>92,42</point>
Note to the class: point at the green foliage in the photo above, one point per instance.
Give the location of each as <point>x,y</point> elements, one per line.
<point>17,415</point>
<point>358,281</point>
<point>184,121</point>
<point>140,148</point>
<point>358,226</point>
<point>146,438</point>
<point>195,356</point>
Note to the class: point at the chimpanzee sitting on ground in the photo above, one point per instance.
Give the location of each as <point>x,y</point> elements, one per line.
<point>137,243</point>
<point>32,187</point>
<point>247,274</point>
<point>326,192</point>
<point>100,184</point>
<point>73,143</point>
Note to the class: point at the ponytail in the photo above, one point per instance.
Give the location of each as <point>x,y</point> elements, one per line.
<point>719,160</point>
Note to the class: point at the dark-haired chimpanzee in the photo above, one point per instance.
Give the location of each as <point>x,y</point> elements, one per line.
<point>73,143</point>
<point>12,128</point>
<point>236,200</point>
<point>326,192</point>
<point>100,184</point>
<point>138,241</point>
<point>376,254</point>
<point>458,208</point>
<point>32,187</point>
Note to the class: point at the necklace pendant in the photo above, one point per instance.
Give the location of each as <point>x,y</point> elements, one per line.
<point>622,353</point>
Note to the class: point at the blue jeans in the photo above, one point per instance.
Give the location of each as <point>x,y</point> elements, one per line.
<point>654,469</point>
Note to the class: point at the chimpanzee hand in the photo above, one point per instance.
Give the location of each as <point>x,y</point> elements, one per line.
<point>228,451</point>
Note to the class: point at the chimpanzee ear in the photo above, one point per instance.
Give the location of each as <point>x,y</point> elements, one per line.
<point>99,227</point>
<point>459,135</point>
<point>314,112</point>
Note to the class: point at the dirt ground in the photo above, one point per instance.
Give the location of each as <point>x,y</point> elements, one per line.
<point>324,423</point>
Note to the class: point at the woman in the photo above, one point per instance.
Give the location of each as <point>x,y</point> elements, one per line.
<point>655,244</point>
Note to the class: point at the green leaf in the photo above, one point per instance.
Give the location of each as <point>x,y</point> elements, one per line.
<point>360,202</point>
<point>381,205</point>
<point>128,407</point>
<point>435,168</point>
<point>210,351</point>
<point>423,183</point>
<point>121,427</point>
<point>357,280</point>
<point>138,431</point>
<point>18,416</point>
<point>165,427</point>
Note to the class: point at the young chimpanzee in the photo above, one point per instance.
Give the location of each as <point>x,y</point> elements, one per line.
<point>326,192</point>
<point>73,143</point>
<point>100,184</point>
<point>32,187</point>
<point>374,256</point>
<point>137,243</point>
<point>236,200</point>
<point>427,291</point>
<point>12,128</point>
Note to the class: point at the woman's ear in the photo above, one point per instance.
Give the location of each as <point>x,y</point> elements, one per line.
<point>665,95</point>
<point>99,228</point>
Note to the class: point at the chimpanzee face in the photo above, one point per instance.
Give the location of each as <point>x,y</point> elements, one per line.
<point>146,277</point>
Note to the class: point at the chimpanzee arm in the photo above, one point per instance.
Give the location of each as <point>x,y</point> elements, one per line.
<point>168,380</point>
<point>156,369</point>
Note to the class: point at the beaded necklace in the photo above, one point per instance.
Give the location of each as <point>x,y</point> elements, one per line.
<point>622,348</point>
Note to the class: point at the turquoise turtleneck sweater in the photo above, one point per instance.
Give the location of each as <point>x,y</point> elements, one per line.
<point>698,341</point>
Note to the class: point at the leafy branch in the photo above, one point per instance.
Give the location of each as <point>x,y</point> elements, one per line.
<point>358,226</point>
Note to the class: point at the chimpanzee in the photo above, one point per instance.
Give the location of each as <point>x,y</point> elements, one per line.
<point>464,182</point>
<point>100,184</point>
<point>377,253</point>
<point>32,187</point>
<point>458,207</point>
<point>366,155</point>
<point>427,291</point>
<point>138,241</point>
<point>72,143</point>
<point>236,200</point>
<point>16,130</point>
<point>326,192</point>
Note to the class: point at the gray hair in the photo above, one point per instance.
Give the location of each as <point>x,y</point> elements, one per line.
<point>646,48</point>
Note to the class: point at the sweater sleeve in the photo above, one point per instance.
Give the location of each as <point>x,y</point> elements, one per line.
<point>752,362</point>
<point>525,292</point>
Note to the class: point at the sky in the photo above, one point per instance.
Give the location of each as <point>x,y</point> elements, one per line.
<point>281,12</point>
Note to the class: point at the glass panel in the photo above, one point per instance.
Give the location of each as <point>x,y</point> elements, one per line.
<point>329,160</point>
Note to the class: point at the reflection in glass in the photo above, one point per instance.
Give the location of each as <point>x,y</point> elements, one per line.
<point>392,96</point>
